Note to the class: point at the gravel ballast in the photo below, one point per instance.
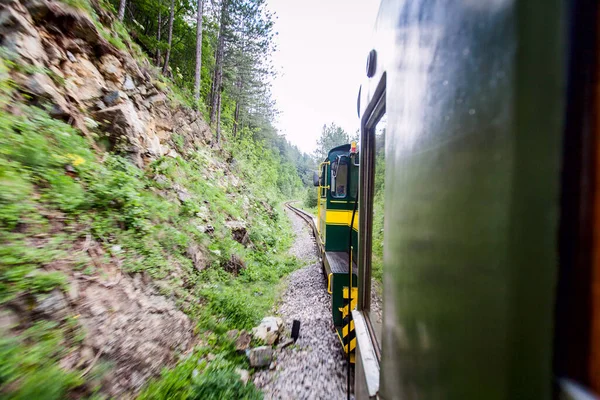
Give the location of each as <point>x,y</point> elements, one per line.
<point>314,367</point>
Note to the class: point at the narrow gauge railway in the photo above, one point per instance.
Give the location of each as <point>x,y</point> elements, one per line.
<point>308,218</point>
<point>334,257</point>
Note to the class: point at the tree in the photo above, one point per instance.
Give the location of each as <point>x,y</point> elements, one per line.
<point>198,81</point>
<point>170,38</point>
<point>251,42</point>
<point>122,5</point>
<point>220,54</point>
<point>158,32</point>
<point>215,103</point>
<point>331,136</point>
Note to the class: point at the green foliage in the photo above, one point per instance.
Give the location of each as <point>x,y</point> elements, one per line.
<point>311,200</point>
<point>28,363</point>
<point>222,383</point>
<point>378,208</point>
<point>198,378</point>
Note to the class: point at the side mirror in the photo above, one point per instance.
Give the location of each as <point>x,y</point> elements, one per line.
<point>316,179</point>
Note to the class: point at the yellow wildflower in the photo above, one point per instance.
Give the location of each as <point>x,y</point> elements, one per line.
<point>76,159</point>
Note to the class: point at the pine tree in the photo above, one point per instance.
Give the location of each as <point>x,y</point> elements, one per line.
<point>331,136</point>
<point>158,33</point>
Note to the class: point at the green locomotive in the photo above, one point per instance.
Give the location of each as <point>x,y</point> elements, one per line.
<point>337,226</point>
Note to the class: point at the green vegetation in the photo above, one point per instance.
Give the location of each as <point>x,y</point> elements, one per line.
<point>378,207</point>
<point>55,191</point>
<point>197,378</point>
<point>29,362</point>
<point>311,200</point>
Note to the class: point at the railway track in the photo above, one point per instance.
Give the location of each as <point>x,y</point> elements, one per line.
<point>314,368</point>
<point>308,218</point>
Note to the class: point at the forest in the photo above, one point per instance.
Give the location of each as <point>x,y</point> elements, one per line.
<point>218,53</point>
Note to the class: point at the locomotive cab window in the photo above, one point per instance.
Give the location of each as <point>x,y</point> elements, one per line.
<point>339,177</point>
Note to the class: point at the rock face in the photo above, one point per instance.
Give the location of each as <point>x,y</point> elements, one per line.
<point>268,330</point>
<point>136,329</point>
<point>99,80</point>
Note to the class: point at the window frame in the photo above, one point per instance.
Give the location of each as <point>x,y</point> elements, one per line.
<point>366,194</point>
<point>334,179</point>
<point>323,182</point>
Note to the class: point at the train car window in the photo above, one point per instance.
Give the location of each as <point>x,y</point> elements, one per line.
<point>339,178</point>
<point>374,313</point>
<point>371,219</point>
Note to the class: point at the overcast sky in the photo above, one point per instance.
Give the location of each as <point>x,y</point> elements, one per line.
<point>322,51</point>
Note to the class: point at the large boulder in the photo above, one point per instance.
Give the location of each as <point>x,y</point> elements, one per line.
<point>198,257</point>
<point>260,357</point>
<point>268,330</point>
<point>125,129</point>
<point>242,343</point>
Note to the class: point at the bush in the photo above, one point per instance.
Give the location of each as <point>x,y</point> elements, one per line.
<point>311,200</point>
<point>218,384</point>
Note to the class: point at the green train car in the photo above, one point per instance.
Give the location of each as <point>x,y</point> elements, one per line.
<point>491,239</point>
<point>337,226</point>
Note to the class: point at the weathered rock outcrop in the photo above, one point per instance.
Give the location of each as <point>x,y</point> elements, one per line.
<point>90,78</point>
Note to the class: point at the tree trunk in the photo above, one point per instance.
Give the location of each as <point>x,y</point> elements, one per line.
<point>158,32</point>
<point>216,97</point>
<point>236,116</point>
<point>198,81</point>
<point>219,112</point>
<point>122,5</point>
<point>169,39</point>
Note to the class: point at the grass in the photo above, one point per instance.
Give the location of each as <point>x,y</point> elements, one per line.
<point>28,363</point>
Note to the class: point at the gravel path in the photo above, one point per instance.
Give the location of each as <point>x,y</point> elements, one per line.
<point>313,368</point>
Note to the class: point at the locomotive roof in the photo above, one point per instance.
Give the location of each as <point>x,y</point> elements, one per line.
<point>344,148</point>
